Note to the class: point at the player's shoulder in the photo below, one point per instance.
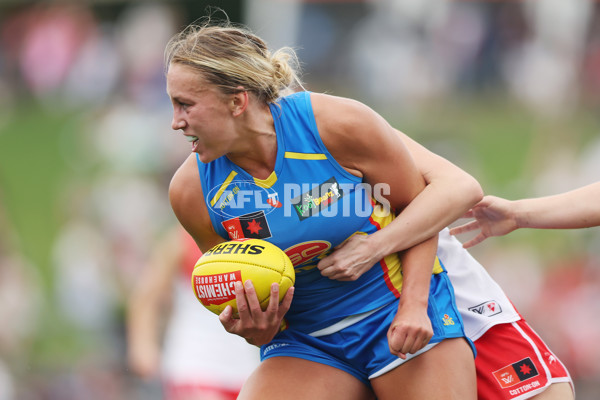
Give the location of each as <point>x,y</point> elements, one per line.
<point>341,114</point>
<point>324,103</point>
<point>185,184</point>
<point>349,128</point>
<point>187,201</point>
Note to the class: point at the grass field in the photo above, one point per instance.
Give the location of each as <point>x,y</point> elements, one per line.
<point>38,153</point>
<point>33,168</point>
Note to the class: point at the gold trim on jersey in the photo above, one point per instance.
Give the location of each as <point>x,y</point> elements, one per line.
<point>266,183</point>
<point>224,185</point>
<point>305,156</point>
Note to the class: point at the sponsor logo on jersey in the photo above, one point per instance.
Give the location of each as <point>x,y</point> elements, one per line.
<point>487,309</point>
<point>248,226</point>
<point>301,253</point>
<point>273,346</point>
<point>217,288</point>
<point>515,373</point>
<point>448,321</point>
<point>314,201</point>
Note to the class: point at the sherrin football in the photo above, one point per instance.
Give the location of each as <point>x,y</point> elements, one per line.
<point>216,272</point>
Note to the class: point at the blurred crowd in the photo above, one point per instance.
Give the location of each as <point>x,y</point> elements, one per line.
<point>104,66</point>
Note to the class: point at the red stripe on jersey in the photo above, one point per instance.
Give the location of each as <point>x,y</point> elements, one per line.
<point>384,266</point>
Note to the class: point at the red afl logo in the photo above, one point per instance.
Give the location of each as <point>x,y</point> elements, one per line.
<point>302,252</point>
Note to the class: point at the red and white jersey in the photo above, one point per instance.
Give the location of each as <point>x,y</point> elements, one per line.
<point>481,301</point>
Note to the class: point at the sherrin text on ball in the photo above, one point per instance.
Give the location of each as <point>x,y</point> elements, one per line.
<point>216,272</point>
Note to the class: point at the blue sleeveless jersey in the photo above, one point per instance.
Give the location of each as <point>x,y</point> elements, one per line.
<point>308,205</point>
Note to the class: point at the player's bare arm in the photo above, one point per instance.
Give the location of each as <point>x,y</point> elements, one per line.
<point>187,200</point>
<point>495,216</point>
<point>425,215</point>
<point>578,208</point>
<point>366,145</point>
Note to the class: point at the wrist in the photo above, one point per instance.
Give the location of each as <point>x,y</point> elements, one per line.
<point>412,306</point>
<point>519,214</point>
<point>409,298</point>
<point>379,246</point>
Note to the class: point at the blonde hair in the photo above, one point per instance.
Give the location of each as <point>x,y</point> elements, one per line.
<point>231,56</point>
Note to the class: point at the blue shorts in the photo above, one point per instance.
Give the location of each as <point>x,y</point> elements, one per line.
<point>359,345</point>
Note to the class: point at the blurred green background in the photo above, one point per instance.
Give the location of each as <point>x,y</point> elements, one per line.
<point>86,153</point>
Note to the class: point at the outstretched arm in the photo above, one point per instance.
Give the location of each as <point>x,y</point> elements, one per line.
<point>495,216</point>
<point>147,305</point>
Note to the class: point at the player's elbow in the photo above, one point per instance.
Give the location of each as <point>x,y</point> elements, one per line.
<point>471,189</point>
<point>464,191</point>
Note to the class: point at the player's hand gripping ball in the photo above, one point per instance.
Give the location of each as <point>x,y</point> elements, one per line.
<point>220,267</point>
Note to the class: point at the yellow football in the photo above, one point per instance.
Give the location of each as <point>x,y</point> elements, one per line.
<point>216,272</point>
